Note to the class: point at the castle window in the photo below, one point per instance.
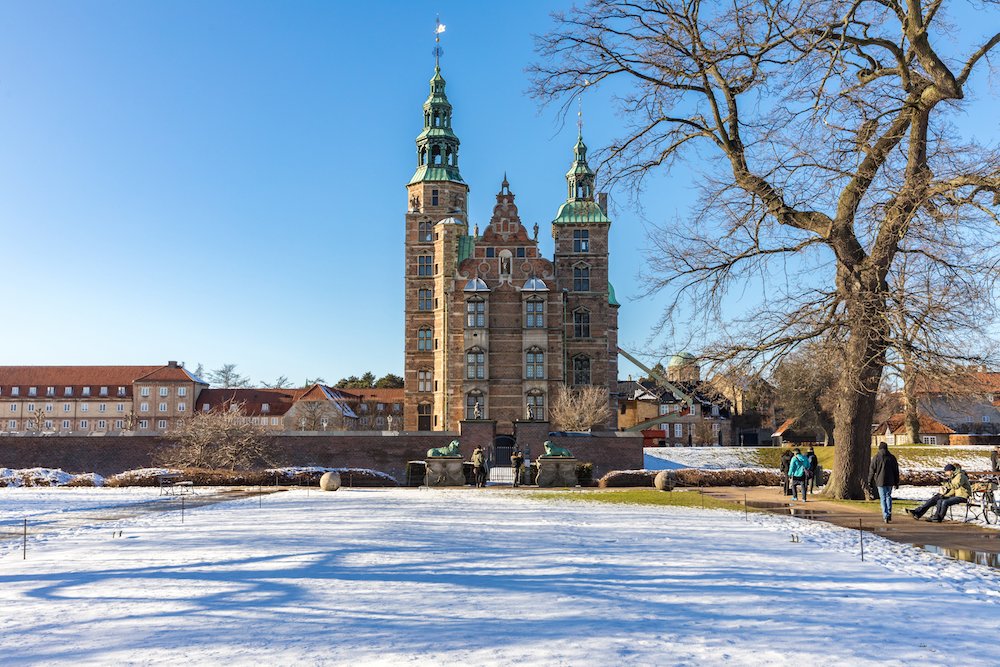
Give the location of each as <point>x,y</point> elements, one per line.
<point>534,313</point>
<point>581,370</point>
<point>424,264</point>
<point>581,240</point>
<point>425,231</point>
<point>424,340</point>
<point>472,399</point>
<point>425,299</point>
<point>475,364</point>
<point>581,278</point>
<point>436,160</point>
<point>491,252</point>
<point>520,252</point>
<point>434,193</point>
<point>534,364</point>
<point>475,313</point>
<point>424,379</point>
<point>424,417</point>
<point>535,405</point>
<point>581,323</point>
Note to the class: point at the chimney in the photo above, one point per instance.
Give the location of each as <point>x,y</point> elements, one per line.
<point>171,364</point>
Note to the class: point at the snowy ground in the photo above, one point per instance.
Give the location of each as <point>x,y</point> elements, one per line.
<point>466,577</point>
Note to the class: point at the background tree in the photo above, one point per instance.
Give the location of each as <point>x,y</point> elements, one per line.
<point>310,382</point>
<point>227,377</point>
<point>822,131</point>
<point>366,381</point>
<point>222,438</point>
<point>389,381</point>
<point>315,416</point>
<point>281,382</point>
<point>579,408</point>
<point>805,383</point>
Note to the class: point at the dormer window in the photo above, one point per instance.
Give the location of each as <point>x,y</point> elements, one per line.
<point>265,407</point>
<point>50,391</point>
<point>85,391</point>
<point>68,391</point>
<point>32,391</point>
<point>121,391</point>
<point>15,391</point>
<point>103,391</point>
<point>206,407</point>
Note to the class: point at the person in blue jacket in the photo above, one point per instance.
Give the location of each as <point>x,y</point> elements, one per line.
<point>798,470</point>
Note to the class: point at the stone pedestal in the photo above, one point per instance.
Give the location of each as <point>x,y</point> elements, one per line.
<point>477,433</point>
<point>444,471</point>
<point>554,471</point>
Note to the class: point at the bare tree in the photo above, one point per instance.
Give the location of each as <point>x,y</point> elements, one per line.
<point>580,408</point>
<point>227,377</point>
<point>281,382</point>
<point>222,438</point>
<point>315,416</point>
<point>822,129</point>
<point>805,384</point>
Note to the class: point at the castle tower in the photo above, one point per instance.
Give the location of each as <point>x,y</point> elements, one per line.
<point>590,326</point>
<point>435,222</point>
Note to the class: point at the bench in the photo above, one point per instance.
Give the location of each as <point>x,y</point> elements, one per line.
<point>172,484</point>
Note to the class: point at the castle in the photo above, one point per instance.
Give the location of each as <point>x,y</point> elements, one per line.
<point>493,328</point>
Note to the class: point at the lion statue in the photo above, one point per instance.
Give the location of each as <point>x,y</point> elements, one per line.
<point>555,450</point>
<point>450,450</point>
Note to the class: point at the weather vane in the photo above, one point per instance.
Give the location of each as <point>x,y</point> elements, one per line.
<point>438,51</point>
<point>579,111</point>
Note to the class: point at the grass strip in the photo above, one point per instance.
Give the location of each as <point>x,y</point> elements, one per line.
<point>691,498</point>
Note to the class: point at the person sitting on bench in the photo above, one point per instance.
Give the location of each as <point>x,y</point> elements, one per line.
<point>954,491</point>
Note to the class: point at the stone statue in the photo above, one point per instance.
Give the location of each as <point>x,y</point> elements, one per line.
<point>531,412</point>
<point>450,450</point>
<point>477,411</point>
<point>536,231</point>
<point>389,421</point>
<point>555,450</point>
<point>415,203</point>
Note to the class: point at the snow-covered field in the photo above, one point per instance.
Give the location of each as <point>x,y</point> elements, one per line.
<point>467,577</point>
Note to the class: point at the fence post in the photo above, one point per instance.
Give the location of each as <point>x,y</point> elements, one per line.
<point>861,538</point>
<point>24,541</point>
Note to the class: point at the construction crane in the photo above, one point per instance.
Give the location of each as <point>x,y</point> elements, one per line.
<point>678,393</point>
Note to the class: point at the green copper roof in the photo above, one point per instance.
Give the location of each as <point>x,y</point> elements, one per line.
<point>612,301</point>
<point>436,132</point>
<point>437,144</point>
<point>580,211</point>
<point>465,246</point>
<point>436,173</point>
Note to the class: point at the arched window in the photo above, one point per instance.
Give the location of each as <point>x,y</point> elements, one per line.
<point>581,370</point>
<point>505,264</point>
<point>425,299</point>
<point>534,364</point>
<point>436,155</point>
<point>581,278</point>
<point>534,313</point>
<point>424,339</point>
<point>475,364</point>
<point>535,405</point>
<point>475,313</point>
<point>472,399</point>
<point>581,323</point>
<point>424,380</point>
<point>425,231</point>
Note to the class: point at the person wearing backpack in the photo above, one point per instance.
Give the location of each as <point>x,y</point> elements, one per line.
<point>883,476</point>
<point>798,471</point>
<point>813,468</point>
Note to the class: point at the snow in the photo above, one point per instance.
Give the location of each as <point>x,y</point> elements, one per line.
<point>708,458</point>
<point>383,576</point>
<point>44,477</point>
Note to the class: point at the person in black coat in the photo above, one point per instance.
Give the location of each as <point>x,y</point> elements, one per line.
<point>517,464</point>
<point>995,459</point>
<point>813,468</point>
<point>786,460</point>
<point>883,476</point>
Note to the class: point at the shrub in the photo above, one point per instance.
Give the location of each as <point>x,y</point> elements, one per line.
<point>626,478</point>
<point>585,474</point>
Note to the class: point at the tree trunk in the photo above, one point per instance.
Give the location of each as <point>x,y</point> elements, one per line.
<point>910,416</point>
<point>829,426</point>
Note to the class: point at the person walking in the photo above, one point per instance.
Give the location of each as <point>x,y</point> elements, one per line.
<point>813,468</point>
<point>516,464</point>
<point>954,491</point>
<point>798,471</point>
<point>479,467</point>
<point>883,476</point>
<point>786,458</point>
<point>995,459</point>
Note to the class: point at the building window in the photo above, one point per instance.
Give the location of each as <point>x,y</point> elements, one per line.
<point>101,424</point>
<point>534,313</point>
<point>144,391</point>
<point>535,406</point>
<point>32,391</point>
<point>121,391</point>
<point>164,391</point>
<point>102,407</point>
<point>380,407</point>
<point>85,391</point>
<point>67,407</point>
<point>534,364</point>
<point>84,407</point>
<point>264,407</point>
<point>475,364</point>
<point>84,424</point>
<point>715,428</point>
<point>15,391</point>
<point>581,240</point>
<point>472,399</point>
<point>144,407</point>
<point>163,407</point>
<point>397,407</point>
<point>50,391</point>
<point>928,439</point>
<point>424,380</point>
<point>986,419</point>
<point>182,391</point>
<point>424,339</point>
<point>425,299</point>
<point>144,424</point>
<point>363,408</point>
<point>581,370</point>
<point>380,422</point>
<point>104,391</point>
<point>12,424</point>
<point>425,232</point>
<point>120,407</point>
<point>475,313</point>
<point>274,421</point>
<point>434,196</point>
<point>119,424</point>
<point>31,407</point>
<point>161,424</point>
<point>48,407</point>
<point>581,278</point>
<point>581,324</point>
<point>65,423</point>
<point>491,252</point>
<point>678,430</point>
<point>68,391</point>
<point>206,407</point>
<point>424,265</point>
<point>48,424</point>
<point>424,417</point>
<point>181,407</point>
<point>13,407</point>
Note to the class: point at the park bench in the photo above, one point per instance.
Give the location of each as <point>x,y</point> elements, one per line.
<point>172,483</point>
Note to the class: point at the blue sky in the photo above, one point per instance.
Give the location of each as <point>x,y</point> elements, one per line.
<point>224,181</point>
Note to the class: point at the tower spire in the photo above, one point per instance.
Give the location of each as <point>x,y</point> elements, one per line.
<point>437,145</point>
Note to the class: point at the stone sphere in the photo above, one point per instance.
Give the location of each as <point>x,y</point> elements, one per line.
<point>330,481</point>
<point>665,480</point>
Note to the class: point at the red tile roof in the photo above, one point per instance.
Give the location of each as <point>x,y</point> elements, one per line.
<point>279,401</point>
<point>377,395</point>
<point>928,426</point>
<point>78,377</point>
